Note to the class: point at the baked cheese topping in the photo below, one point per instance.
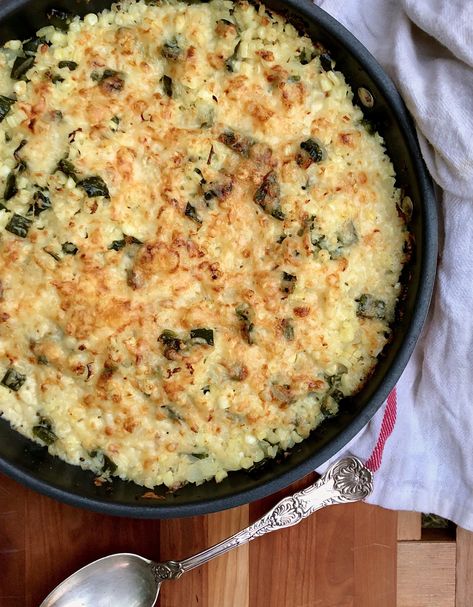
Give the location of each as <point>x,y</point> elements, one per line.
<point>200,247</point>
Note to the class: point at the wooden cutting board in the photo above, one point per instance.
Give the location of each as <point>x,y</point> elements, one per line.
<point>344,556</point>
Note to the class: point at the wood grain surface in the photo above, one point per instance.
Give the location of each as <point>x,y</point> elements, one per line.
<point>344,556</point>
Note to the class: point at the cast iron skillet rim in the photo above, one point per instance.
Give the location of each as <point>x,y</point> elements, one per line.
<point>427,272</point>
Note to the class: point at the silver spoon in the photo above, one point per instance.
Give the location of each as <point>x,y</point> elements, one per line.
<point>129,580</point>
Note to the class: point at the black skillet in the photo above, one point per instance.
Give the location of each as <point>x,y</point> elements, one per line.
<point>33,466</point>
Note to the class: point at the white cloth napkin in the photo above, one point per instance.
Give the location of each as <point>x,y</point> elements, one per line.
<point>426,46</point>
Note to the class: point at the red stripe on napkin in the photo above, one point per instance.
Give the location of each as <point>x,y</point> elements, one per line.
<point>387,426</point>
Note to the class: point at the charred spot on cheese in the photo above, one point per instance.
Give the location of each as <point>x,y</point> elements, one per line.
<point>191,212</point>
<point>94,186</point>
<point>370,307</point>
<point>288,283</point>
<point>236,142</point>
<point>19,225</point>
<point>5,106</point>
<point>267,196</point>
<point>13,379</point>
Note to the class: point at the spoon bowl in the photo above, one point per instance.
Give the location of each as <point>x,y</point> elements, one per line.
<point>118,580</point>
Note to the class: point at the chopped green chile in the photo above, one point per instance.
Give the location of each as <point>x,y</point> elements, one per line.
<point>71,65</point>
<point>370,307</point>
<point>328,406</point>
<point>59,19</point>
<point>230,62</point>
<point>112,83</point>
<point>55,79</point>
<point>288,283</point>
<point>282,393</point>
<point>52,254</point>
<point>94,186</point>
<point>369,125</point>
<point>172,413</point>
<point>267,196</point>
<point>311,152</point>
<point>66,167</point>
<point>19,225</point>
<point>171,49</point>
<point>41,202</point>
<point>170,339</point>
<point>16,154</point>
<point>109,466</point>
<point>347,235</point>
<point>305,56</point>
<point>236,142</point>
<point>202,336</point>
<point>69,248</point>
<point>11,188</point>
<point>117,245</point>
<point>21,66</point>
<point>287,327</point>
<point>238,372</point>
<point>326,62</point>
<point>13,379</point>
<point>166,81</point>
<point>191,212</point>
<point>217,189</point>
<point>31,46</point>
<point>199,455</point>
<point>44,432</point>
<point>245,314</point>
<point>5,106</point>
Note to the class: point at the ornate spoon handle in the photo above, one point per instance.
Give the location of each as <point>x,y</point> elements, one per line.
<point>348,480</point>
